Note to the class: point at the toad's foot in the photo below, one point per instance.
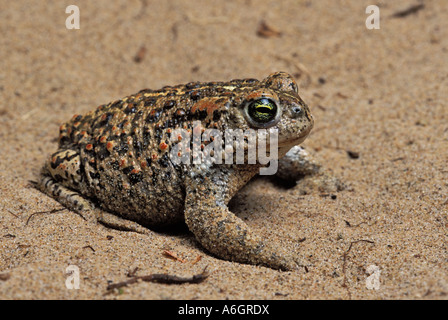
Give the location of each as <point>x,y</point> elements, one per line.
<point>300,166</point>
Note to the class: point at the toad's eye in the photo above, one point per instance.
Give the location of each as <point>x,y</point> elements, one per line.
<point>262,111</point>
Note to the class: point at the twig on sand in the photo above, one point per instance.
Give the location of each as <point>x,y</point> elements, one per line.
<point>44,212</point>
<point>411,10</point>
<point>161,278</point>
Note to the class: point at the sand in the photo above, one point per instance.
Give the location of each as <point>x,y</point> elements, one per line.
<point>381,126</point>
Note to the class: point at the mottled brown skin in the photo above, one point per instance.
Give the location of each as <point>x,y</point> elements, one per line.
<point>112,164</point>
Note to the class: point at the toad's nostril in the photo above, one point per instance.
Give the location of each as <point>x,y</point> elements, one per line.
<point>297,110</point>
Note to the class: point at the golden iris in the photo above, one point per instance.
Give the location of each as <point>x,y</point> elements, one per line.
<point>262,110</point>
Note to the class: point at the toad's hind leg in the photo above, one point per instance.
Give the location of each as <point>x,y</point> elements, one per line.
<point>61,175</point>
<point>84,207</point>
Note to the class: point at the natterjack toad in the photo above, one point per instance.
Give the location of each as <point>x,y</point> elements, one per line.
<point>114,164</point>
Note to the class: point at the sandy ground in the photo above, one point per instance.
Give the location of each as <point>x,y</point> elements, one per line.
<point>380,94</point>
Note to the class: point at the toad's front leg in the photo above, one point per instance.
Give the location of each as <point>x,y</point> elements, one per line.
<point>298,165</point>
<point>220,231</point>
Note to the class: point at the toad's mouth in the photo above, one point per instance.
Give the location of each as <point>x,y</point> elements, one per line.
<point>284,147</point>
<point>292,141</point>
